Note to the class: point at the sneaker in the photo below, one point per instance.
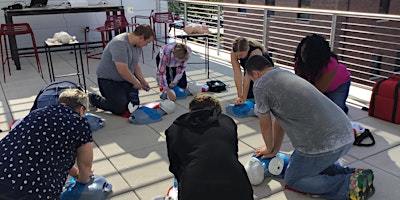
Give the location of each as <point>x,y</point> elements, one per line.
<point>358,186</point>
<point>369,174</point>
<point>132,107</point>
<point>163,95</point>
<point>91,106</point>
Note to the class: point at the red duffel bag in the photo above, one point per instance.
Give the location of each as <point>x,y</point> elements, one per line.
<point>385,100</point>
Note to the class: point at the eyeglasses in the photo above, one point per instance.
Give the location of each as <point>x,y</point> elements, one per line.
<point>83,106</point>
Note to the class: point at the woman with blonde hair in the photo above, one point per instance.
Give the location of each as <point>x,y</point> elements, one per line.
<point>171,64</point>
<point>242,50</point>
<point>39,153</point>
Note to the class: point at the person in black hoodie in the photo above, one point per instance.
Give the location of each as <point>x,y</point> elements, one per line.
<point>203,153</point>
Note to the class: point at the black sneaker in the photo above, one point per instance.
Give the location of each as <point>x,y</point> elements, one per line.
<point>91,106</point>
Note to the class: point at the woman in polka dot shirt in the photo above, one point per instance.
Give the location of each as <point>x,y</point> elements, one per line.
<point>37,155</point>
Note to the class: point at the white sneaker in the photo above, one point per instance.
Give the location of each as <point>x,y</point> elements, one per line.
<point>132,107</point>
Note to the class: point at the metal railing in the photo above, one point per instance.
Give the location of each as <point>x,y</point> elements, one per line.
<point>368,44</point>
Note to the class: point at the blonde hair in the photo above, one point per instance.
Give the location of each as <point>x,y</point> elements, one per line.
<point>181,51</point>
<point>202,100</point>
<point>243,44</point>
<point>74,98</point>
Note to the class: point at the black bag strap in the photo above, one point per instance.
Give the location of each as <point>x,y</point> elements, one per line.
<point>359,139</point>
<point>374,93</point>
<point>396,100</point>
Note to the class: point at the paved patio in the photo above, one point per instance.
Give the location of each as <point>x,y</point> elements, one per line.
<point>134,157</point>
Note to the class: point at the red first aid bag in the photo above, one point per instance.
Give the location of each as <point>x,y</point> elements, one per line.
<point>385,100</point>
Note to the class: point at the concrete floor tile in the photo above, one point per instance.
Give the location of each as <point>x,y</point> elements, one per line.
<point>124,196</point>
<point>388,161</point>
<point>5,121</point>
<point>106,169</point>
<point>143,167</point>
<point>289,195</point>
<point>3,134</point>
<point>127,139</point>
<point>156,189</point>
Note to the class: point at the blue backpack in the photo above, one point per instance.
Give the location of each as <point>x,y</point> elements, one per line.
<point>49,94</point>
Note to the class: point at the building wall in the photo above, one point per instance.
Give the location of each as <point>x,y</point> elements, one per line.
<point>44,26</point>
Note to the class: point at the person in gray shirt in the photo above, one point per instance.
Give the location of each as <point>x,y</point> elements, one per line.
<point>118,74</point>
<point>318,129</point>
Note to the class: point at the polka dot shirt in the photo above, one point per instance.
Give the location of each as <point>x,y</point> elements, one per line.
<point>36,156</point>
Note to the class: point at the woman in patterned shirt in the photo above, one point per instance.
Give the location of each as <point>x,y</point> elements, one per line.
<point>37,155</point>
<point>171,65</point>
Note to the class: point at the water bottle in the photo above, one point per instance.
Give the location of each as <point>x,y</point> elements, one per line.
<point>173,192</point>
<point>107,187</point>
<point>175,183</point>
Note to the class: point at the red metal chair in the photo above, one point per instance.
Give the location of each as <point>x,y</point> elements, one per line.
<point>13,30</point>
<point>150,18</point>
<point>113,24</point>
<point>167,19</point>
<point>134,18</point>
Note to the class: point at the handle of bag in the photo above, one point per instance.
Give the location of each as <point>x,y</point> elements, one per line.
<point>367,134</point>
<point>395,77</point>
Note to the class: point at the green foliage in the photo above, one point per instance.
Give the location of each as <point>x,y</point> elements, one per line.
<point>177,7</point>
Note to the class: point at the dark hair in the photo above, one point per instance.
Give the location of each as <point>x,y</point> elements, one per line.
<point>258,63</point>
<point>316,53</point>
<point>145,30</point>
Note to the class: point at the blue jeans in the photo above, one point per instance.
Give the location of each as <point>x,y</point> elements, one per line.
<point>320,175</point>
<point>339,95</point>
<point>116,96</point>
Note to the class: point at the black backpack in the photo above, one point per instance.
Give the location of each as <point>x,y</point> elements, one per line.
<point>48,95</point>
<point>216,86</point>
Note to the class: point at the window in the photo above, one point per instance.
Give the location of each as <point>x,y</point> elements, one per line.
<point>375,67</point>
<point>304,4</point>
<point>242,9</point>
<point>270,13</point>
<point>397,68</point>
<point>384,6</point>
